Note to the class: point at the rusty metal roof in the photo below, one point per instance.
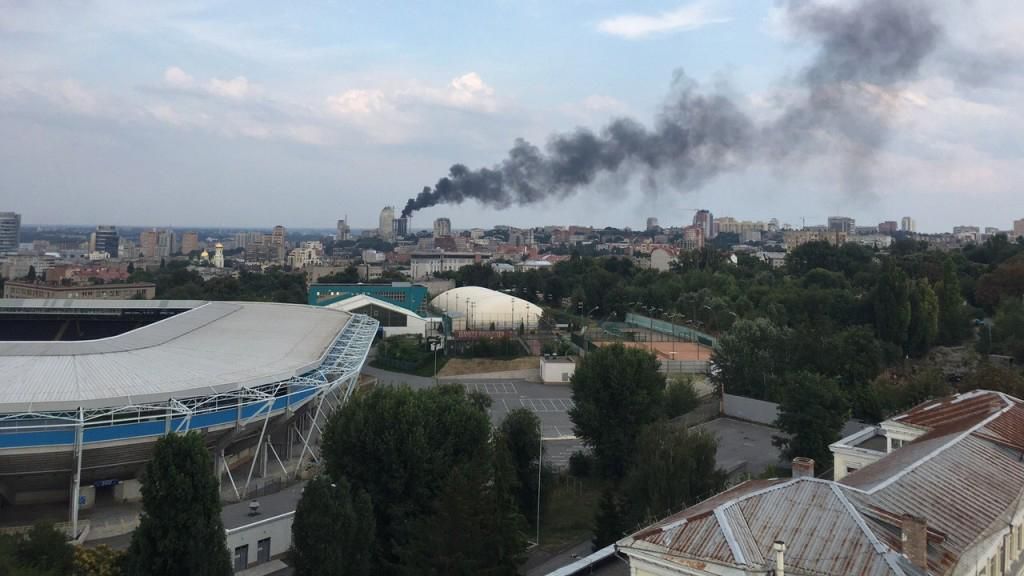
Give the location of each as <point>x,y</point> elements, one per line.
<point>962,476</point>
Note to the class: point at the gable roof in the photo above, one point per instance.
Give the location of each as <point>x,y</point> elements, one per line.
<point>962,476</point>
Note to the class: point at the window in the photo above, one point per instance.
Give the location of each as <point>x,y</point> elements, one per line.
<point>897,443</point>
<point>263,550</point>
<point>241,557</point>
<point>850,469</point>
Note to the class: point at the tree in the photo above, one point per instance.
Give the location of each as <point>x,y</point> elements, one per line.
<point>812,414</point>
<point>520,431</point>
<point>1008,328</point>
<point>750,359</point>
<point>425,457</point>
<point>333,530</point>
<point>616,391</point>
<point>952,319</point>
<point>42,551</point>
<point>180,531</point>
<point>892,304</point>
<point>610,523</point>
<point>99,561</point>
<point>131,268</point>
<point>680,396</point>
<point>924,319</point>
<point>674,468</point>
<point>31,276</point>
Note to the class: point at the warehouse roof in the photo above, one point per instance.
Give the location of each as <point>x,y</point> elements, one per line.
<point>210,348</point>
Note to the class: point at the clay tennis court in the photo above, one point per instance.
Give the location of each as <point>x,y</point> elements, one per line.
<point>663,349</point>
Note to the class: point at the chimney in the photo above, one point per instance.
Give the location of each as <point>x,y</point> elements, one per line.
<point>914,536</point>
<point>780,557</point>
<point>803,467</point>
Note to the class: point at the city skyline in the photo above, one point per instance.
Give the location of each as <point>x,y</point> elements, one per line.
<point>218,116</point>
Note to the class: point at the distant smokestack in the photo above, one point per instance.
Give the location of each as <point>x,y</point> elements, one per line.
<point>866,53</point>
<point>803,467</point>
<point>914,538</point>
<point>780,557</point>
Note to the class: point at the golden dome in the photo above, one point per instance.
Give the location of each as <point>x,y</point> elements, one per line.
<point>218,245</point>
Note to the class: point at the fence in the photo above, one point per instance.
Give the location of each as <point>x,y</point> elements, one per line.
<point>670,329</point>
<point>683,366</point>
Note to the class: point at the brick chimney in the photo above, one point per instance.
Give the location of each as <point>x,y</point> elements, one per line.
<point>914,536</point>
<point>803,467</point>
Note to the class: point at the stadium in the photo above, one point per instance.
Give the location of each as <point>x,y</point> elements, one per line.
<point>88,386</point>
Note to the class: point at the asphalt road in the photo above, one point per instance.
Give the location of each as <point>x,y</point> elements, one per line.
<point>549,403</point>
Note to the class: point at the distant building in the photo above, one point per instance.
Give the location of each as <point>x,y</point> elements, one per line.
<point>442,228</point>
<point>412,297</point>
<point>278,243</point>
<point>344,232</point>
<point>424,264</point>
<point>105,239</point>
<point>843,224</point>
<point>794,238</point>
<point>401,227</point>
<point>704,220</point>
<point>143,290</point>
<point>148,243</point>
<point>652,224</point>
<point>10,231</point>
<point>189,243</point>
<point>888,227</point>
<point>167,243</point>
<point>386,225</point>
<point>308,254</point>
<point>907,224</point>
<point>1018,228</point>
<point>218,255</point>
<point>693,238</point>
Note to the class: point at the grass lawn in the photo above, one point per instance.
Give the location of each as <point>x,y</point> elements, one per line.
<point>461,366</point>
<point>568,517</point>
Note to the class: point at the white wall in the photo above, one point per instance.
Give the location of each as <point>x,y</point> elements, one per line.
<point>556,372</point>
<point>277,528</point>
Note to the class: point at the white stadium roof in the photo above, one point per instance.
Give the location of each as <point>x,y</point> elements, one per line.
<point>212,347</point>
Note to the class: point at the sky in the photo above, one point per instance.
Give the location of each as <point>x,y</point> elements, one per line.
<point>246,113</point>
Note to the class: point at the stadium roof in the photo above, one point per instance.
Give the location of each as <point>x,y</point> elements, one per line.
<point>210,348</point>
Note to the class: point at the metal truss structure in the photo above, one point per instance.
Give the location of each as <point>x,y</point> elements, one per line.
<point>328,386</point>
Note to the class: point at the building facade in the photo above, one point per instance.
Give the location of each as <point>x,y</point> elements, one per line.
<point>1018,228</point>
<point>425,264</point>
<point>10,231</point>
<point>141,290</point>
<point>386,223</point>
<point>442,228</point>
<point>704,220</point>
<point>907,224</point>
<point>401,227</point>
<point>843,224</point>
<point>189,243</point>
<point>344,232</point>
<point>105,239</point>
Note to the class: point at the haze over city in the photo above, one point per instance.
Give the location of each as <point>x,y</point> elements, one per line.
<point>240,115</point>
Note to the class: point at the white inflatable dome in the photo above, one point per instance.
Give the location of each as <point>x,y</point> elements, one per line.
<point>476,308</point>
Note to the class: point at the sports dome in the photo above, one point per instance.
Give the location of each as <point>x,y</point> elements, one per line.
<point>476,308</point>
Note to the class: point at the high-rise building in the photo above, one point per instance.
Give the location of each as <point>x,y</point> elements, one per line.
<point>167,243</point>
<point>10,231</point>
<point>104,239</point>
<point>278,243</point>
<point>344,232</point>
<point>704,220</point>
<point>148,241</point>
<point>843,224</point>
<point>652,224</point>
<point>693,237</point>
<point>888,227</point>
<point>401,227</point>
<point>907,224</point>
<point>442,228</point>
<point>386,227</point>
<point>189,243</point>
<point>1018,228</point>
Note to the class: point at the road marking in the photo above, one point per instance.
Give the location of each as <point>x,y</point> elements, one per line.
<point>559,405</point>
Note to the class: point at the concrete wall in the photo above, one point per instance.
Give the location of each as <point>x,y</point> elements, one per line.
<point>750,410</point>
<point>556,371</point>
<point>128,491</point>
<point>277,528</point>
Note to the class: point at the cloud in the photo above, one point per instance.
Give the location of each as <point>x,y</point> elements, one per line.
<point>236,88</point>
<point>390,115</point>
<point>635,26</point>
<point>177,78</point>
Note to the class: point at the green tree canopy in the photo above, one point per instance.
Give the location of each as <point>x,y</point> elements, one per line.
<point>892,304</point>
<point>425,457</point>
<point>952,316</point>
<point>924,319</point>
<point>520,430</point>
<point>812,414</point>
<point>750,358</point>
<point>333,530</point>
<point>616,391</point>
<point>674,468</point>
<point>180,531</point>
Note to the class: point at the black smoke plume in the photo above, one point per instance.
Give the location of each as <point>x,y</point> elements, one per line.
<point>865,53</point>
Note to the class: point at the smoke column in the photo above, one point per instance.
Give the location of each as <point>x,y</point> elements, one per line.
<point>865,53</point>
